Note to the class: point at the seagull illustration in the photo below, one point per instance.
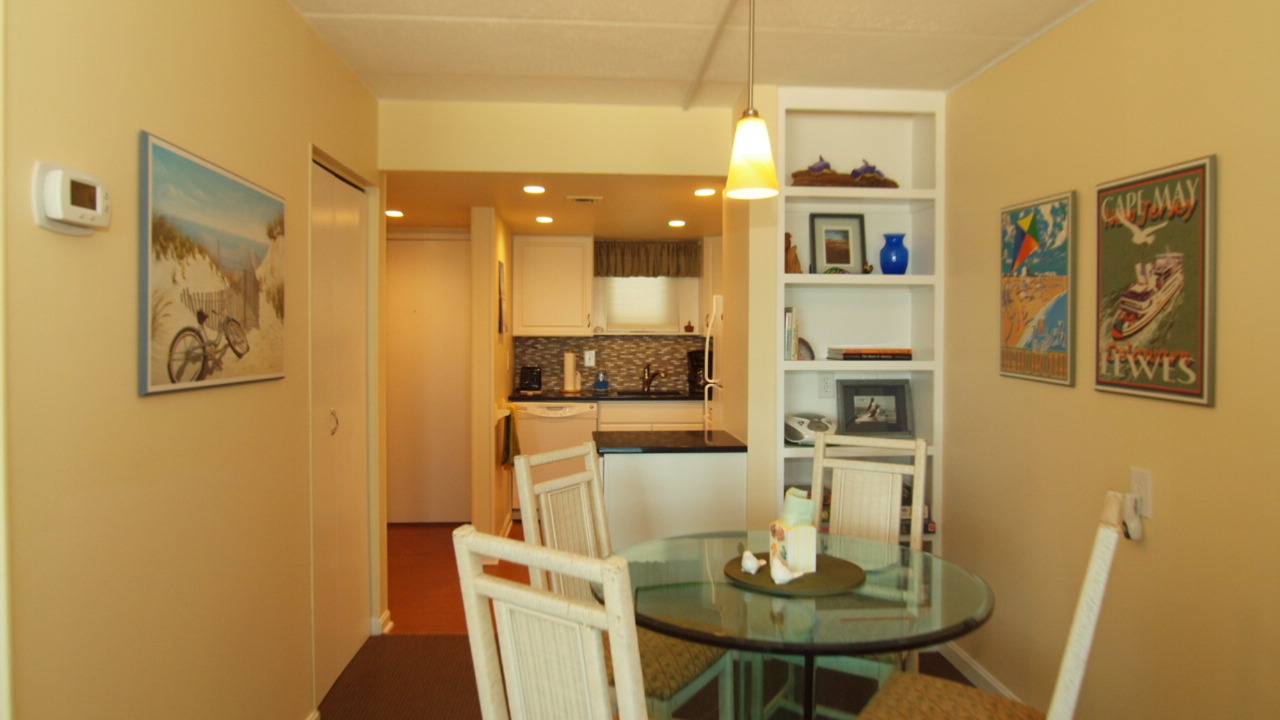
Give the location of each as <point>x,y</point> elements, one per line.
<point>1141,236</point>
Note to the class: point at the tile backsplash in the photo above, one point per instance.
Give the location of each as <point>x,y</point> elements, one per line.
<point>621,357</point>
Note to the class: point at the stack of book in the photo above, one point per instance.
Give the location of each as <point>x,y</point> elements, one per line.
<point>790,335</point>
<point>868,353</point>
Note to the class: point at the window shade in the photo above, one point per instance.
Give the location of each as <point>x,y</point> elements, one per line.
<point>648,258</point>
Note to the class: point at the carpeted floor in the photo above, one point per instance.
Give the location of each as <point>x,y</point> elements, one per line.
<point>421,677</point>
<point>406,677</point>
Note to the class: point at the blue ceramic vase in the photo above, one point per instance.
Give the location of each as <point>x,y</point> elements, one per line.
<point>894,255</point>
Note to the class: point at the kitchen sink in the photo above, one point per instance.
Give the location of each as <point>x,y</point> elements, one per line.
<point>651,393</point>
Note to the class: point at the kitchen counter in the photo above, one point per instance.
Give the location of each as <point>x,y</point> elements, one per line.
<point>612,395</point>
<point>666,441</point>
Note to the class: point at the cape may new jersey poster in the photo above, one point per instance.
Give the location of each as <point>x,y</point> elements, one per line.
<point>1155,253</point>
<point>212,308</point>
<point>1035,290</point>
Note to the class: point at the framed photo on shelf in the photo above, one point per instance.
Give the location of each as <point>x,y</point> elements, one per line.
<point>837,244</point>
<point>1035,289</point>
<point>1155,283</point>
<point>874,407</point>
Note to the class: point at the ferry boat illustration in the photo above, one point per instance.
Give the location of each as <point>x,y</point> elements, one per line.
<point>1143,301</point>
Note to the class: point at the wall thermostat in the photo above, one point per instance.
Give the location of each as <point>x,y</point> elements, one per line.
<point>69,201</point>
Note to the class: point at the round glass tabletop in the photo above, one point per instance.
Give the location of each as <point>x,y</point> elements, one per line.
<point>910,599</point>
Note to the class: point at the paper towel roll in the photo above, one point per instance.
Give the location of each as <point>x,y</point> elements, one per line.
<point>572,382</point>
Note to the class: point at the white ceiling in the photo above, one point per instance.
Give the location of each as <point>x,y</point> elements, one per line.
<point>684,53</point>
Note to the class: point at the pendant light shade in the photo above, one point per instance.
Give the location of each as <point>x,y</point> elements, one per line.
<point>752,175</point>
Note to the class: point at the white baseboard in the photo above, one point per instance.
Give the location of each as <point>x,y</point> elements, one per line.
<point>975,673</point>
<point>382,625</point>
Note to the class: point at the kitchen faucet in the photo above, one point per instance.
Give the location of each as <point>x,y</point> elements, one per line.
<point>647,377</point>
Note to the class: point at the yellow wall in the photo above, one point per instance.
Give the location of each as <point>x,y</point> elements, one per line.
<point>159,545</point>
<point>1189,627</point>
<point>553,138</point>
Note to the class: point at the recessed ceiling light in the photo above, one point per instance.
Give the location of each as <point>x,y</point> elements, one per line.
<point>704,192</point>
<point>676,223</point>
<point>534,189</point>
<point>544,219</point>
<point>395,213</point>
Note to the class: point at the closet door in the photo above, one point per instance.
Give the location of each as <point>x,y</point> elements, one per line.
<point>339,435</point>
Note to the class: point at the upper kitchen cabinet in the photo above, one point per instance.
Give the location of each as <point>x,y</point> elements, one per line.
<point>552,285</point>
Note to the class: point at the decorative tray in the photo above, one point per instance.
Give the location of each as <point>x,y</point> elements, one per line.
<point>833,576</point>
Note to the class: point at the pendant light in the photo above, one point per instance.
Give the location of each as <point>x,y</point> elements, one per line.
<point>752,175</point>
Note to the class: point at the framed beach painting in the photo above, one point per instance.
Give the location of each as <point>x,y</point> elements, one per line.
<point>212,274</point>
<point>837,244</point>
<point>1155,283</point>
<point>1035,289</point>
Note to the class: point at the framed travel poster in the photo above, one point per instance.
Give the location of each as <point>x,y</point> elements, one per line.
<point>212,276</point>
<point>1155,283</point>
<point>1035,290</point>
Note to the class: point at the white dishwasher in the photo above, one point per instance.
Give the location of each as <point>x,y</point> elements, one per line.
<point>543,426</point>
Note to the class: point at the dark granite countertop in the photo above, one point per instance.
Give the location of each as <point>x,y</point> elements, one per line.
<point>612,395</point>
<point>665,441</point>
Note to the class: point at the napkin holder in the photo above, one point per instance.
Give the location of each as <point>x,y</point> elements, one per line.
<point>793,539</point>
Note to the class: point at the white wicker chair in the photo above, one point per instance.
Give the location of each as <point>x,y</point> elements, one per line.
<point>866,479</point>
<point>911,696</point>
<point>547,658</point>
<point>567,513</point>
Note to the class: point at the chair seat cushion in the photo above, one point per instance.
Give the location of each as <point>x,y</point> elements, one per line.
<point>669,664</point>
<point>912,696</point>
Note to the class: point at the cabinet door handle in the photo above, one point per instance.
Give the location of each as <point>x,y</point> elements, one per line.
<point>333,414</point>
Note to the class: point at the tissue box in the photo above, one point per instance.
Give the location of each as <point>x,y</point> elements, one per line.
<point>794,545</point>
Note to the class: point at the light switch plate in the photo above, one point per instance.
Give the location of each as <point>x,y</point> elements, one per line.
<point>589,358</point>
<point>1140,484</point>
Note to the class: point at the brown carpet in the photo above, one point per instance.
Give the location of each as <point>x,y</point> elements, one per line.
<point>414,677</point>
<point>404,677</point>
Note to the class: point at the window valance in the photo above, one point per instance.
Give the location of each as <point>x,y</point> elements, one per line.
<point>648,258</point>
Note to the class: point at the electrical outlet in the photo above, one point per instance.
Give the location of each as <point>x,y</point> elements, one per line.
<point>826,385</point>
<point>1140,484</point>
<point>589,358</point>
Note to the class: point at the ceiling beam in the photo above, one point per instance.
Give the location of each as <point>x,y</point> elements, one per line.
<point>696,82</point>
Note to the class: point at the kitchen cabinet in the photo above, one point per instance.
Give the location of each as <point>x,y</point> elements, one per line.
<point>660,484</point>
<point>656,415</point>
<point>551,285</point>
<point>901,133</point>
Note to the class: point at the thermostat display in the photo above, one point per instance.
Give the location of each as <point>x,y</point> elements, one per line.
<point>69,201</point>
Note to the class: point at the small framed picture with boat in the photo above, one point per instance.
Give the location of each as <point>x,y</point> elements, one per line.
<point>837,244</point>
<point>1155,283</point>
<point>874,407</point>
<point>1035,289</point>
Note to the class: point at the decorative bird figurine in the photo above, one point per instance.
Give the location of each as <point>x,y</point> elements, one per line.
<point>750,563</point>
<point>780,573</point>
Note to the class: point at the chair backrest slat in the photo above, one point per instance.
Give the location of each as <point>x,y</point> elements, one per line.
<point>867,485</point>
<point>540,655</point>
<point>1066,691</point>
<point>565,513</point>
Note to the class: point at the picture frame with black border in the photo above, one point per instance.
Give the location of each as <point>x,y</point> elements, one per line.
<point>874,407</point>
<point>837,244</point>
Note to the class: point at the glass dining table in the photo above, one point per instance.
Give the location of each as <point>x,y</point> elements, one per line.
<point>689,587</point>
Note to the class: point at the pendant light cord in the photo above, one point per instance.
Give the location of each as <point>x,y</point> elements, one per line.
<point>751,54</point>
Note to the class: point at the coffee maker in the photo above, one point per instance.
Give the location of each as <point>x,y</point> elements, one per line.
<point>698,363</point>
